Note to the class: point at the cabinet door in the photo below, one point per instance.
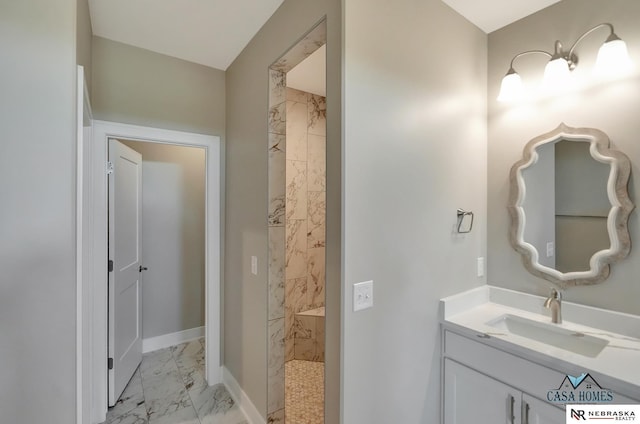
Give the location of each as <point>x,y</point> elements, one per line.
<point>535,411</point>
<point>472,397</point>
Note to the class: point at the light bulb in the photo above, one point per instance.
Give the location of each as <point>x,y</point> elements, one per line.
<point>557,76</point>
<point>613,59</point>
<point>511,87</point>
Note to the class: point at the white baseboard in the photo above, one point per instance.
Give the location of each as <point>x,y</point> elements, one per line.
<point>172,339</point>
<point>241,398</point>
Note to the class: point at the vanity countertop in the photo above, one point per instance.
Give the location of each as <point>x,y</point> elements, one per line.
<point>617,366</point>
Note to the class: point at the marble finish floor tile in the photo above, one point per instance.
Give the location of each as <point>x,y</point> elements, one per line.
<point>304,392</point>
<point>169,387</point>
<point>132,399</point>
<point>137,415</point>
<point>186,415</point>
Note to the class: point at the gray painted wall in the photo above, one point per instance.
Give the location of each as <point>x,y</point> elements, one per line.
<point>173,237</point>
<point>581,181</point>
<point>540,204</point>
<point>84,39</point>
<point>37,188</point>
<point>136,86</point>
<point>245,296</point>
<point>415,151</point>
<point>611,107</point>
<point>577,239</point>
<point>582,206</point>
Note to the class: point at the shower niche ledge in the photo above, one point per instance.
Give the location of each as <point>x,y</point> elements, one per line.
<point>500,348</point>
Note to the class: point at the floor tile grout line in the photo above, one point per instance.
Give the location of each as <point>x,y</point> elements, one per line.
<point>193,405</point>
<point>144,396</point>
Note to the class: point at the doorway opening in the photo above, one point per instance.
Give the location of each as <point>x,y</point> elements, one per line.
<point>172,247</point>
<point>297,227</point>
<point>210,146</point>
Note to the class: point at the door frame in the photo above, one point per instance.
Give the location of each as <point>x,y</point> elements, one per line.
<point>84,197</point>
<point>102,132</point>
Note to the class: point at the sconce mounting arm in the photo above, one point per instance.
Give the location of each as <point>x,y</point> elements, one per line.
<point>612,36</point>
<point>527,53</point>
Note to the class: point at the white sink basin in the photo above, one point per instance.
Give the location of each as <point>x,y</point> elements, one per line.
<point>550,334</point>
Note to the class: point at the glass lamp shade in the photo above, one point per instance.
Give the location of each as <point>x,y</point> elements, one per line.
<point>557,76</point>
<point>613,59</point>
<point>511,88</point>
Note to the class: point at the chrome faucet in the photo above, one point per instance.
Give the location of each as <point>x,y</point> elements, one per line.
<point>554,302</point>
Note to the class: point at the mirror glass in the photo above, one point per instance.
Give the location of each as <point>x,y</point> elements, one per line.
<point>570,206</point>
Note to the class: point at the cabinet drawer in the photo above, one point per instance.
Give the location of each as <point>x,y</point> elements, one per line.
<point>510,369</point>
<point>536,380</point>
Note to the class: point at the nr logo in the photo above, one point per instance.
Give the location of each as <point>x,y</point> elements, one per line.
<point>577,414</point>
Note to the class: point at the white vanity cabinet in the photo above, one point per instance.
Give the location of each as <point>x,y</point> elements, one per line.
<point>472,397</point>
<point>488,385</point>
<point>504,362</point>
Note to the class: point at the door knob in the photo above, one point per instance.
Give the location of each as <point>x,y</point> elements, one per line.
<point>142,268</point>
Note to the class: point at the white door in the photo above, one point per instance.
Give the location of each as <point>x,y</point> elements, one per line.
<point>537,412</point>
<point>471,397</point>
<point>125,214</point>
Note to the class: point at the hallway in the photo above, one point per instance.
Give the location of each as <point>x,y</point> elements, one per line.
<point>169,388</point>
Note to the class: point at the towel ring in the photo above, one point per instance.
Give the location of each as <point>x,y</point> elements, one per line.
<point>462,219</point>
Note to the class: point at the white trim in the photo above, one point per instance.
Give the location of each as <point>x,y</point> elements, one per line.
<point>102,131</point>
<point>240,397</point>
<point>79,201</point>
<point>83,268</point>
<point>171,339</point>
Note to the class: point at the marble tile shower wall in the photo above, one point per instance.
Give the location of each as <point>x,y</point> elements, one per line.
<point>305,212</point>
<point>276,222</point>
<point>297,168</point>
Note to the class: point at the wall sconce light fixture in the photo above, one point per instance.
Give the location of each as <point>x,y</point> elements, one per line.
<point>613,59</point>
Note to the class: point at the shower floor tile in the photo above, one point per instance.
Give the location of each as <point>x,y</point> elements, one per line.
<point>169,388</point>
<point>304,392</point>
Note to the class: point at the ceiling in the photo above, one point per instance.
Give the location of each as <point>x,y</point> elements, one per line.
<point>490,15</point>
<point>309,75</point>
<point>214,32</point>
<point>208,32</point>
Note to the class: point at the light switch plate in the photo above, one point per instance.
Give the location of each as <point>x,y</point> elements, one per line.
<point>254,265</point>
<point>480,266</point>
<point>362,295</point>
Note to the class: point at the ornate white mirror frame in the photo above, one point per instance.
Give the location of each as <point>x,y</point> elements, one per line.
<point>617,218</point>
